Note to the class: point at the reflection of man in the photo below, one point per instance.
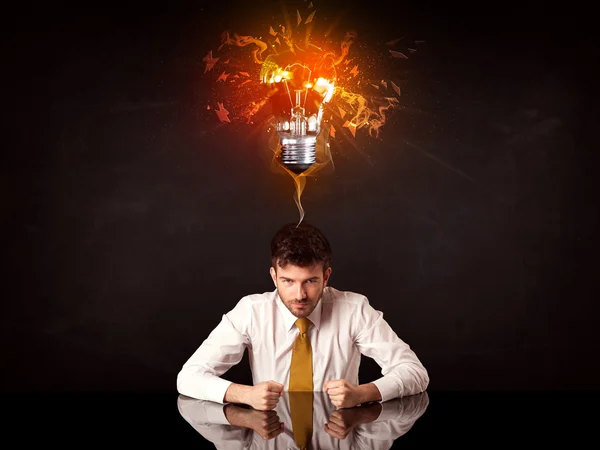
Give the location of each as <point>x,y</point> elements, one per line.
<point>304,336</point>
<point>372,426</point>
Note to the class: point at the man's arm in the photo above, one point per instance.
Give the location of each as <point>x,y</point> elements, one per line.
<point>368,392</point>
<point>237,393</point>
<point>200,376</point>
<point>264,396</point>
<point>403,373</point>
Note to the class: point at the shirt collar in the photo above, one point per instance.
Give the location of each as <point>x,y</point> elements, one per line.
<point>289,319</point>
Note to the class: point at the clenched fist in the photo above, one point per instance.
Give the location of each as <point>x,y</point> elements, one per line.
<point>342,393</point>
<point>264,396</point>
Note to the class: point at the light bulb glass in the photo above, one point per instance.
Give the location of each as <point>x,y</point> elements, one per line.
<point>301,81</point>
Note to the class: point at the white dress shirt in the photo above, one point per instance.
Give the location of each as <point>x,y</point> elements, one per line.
<point>344,326</point>
<point>396,418</point>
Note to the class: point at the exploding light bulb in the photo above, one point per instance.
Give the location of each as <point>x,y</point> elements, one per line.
<point>300,82</point>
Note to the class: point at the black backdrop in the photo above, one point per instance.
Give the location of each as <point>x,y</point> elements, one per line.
<point>133,220</point>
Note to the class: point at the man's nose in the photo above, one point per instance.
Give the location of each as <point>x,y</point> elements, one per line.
<point>301,292</point>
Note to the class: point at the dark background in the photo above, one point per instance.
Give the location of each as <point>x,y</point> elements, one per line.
<point>131,223</point>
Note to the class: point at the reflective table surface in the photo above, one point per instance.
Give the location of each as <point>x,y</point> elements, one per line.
<point>473,420</point>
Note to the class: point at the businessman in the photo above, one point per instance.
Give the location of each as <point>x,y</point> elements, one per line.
<point>303,336</point>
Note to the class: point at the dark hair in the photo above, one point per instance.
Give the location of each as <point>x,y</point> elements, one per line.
<point>302,245</point>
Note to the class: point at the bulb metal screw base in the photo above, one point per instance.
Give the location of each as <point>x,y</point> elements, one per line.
<point>298,153</point>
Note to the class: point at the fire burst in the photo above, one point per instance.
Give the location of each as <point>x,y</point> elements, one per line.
<point>297,89</point>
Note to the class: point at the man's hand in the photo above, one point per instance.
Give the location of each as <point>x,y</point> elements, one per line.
<point>342,393</point>
<point>342,421</point>
<point>265,423</point>
<point>264,396</point>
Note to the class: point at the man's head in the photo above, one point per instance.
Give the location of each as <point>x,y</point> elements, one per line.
<point>300,266</point>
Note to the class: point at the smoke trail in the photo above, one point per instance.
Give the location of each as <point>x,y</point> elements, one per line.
<point>345,46</point>
<point>242,41</point>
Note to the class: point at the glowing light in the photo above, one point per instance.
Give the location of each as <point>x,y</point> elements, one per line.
<point>294,87</point>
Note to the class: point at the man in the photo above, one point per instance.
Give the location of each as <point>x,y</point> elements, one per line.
<point>303,336</point>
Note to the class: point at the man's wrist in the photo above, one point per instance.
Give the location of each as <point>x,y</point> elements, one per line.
<point>368,393</point>
<point>237,393</point>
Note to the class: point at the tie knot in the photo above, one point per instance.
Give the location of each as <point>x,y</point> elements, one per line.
<point>303,323</point>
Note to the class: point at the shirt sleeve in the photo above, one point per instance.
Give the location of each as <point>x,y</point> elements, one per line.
<point>200,376</point>
<point>201,411</point>
<point>403,373</point>
<point>208,419</point>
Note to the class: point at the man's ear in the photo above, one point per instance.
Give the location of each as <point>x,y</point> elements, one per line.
<point>273,273</point>
<point>326,275</point>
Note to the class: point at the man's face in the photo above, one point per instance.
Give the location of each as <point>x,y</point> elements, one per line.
<point>300,288</point>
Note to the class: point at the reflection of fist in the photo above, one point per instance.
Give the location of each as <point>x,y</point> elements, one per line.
<point>342,421</point>
<point>264,423</point>
<point>264,396</point>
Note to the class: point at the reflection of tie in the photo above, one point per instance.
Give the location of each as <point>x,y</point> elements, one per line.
<point>301,373</point>
<point>301,410</point>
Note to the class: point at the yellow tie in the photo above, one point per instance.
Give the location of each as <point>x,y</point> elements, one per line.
<point>301,386</point>
<point>301,410</point>
<point>301,370</point>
